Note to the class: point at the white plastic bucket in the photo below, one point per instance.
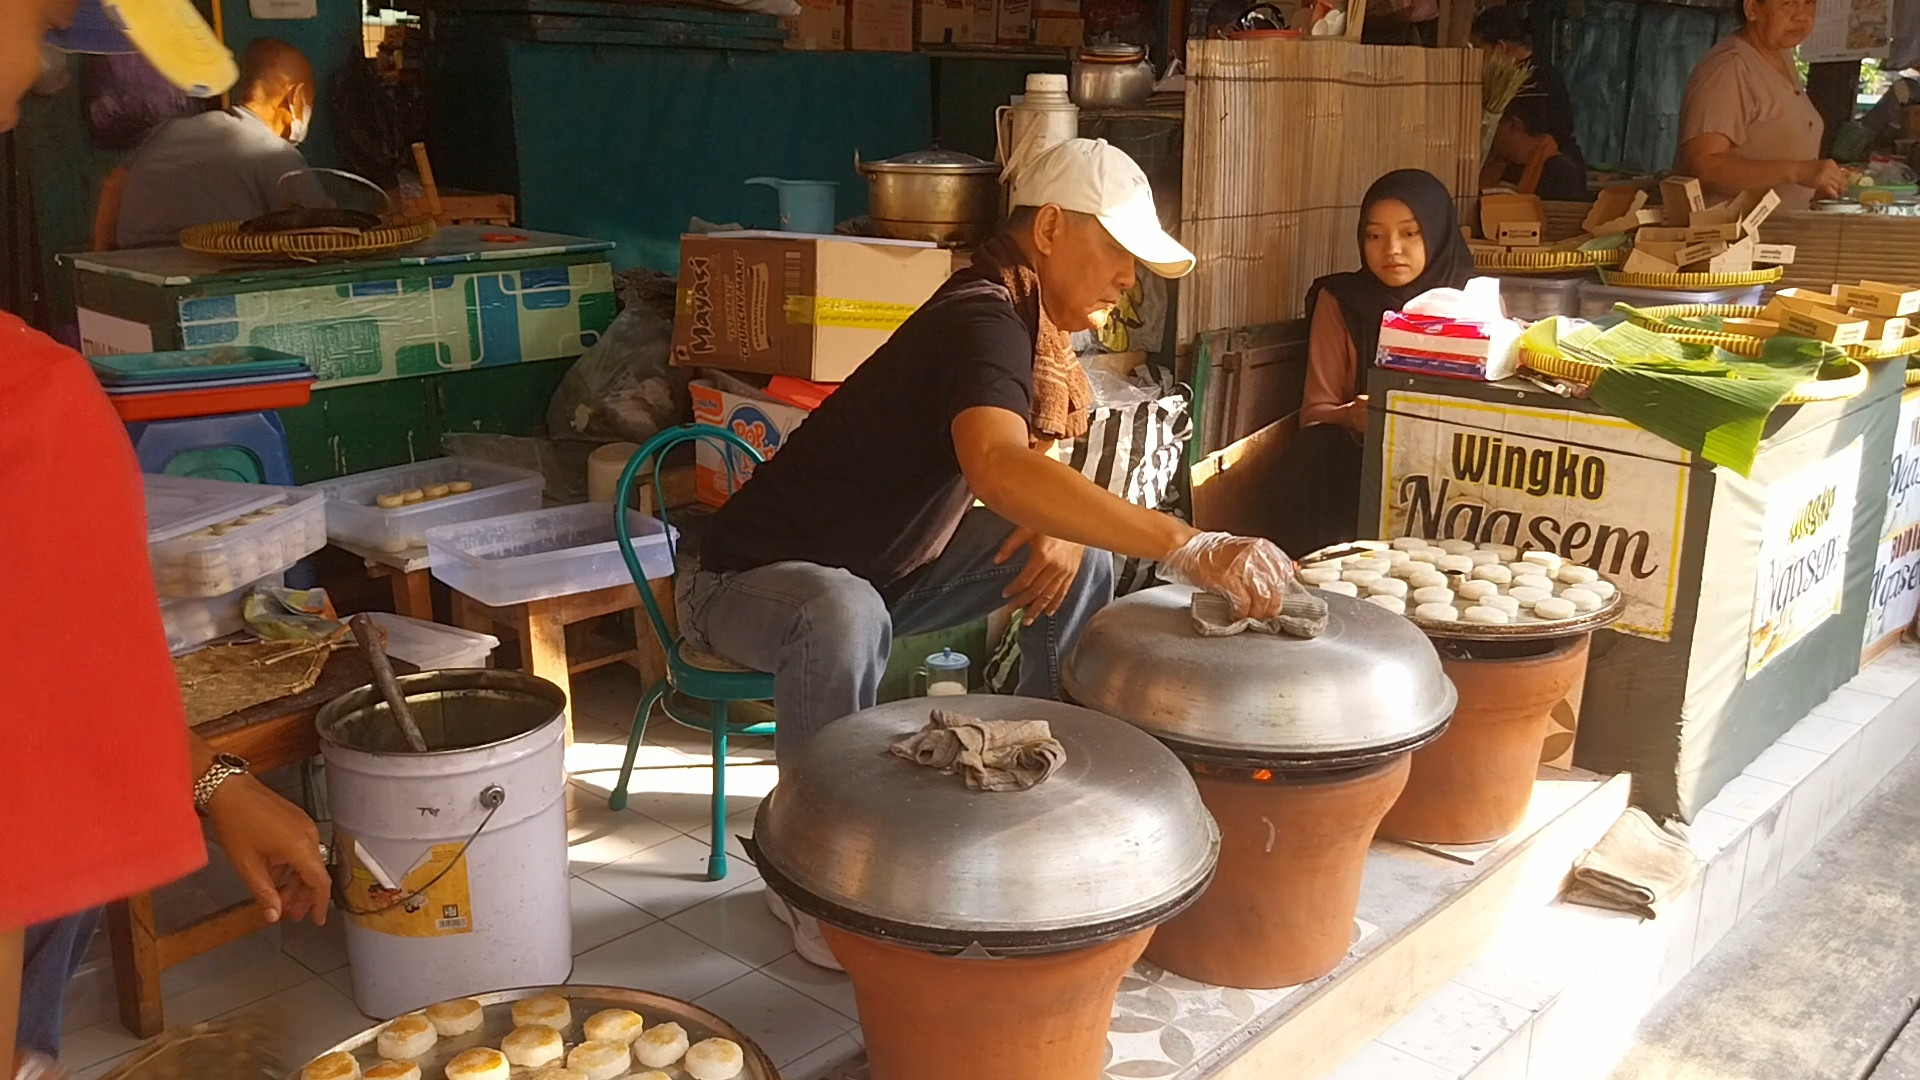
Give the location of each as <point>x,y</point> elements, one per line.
<point>442,900</point>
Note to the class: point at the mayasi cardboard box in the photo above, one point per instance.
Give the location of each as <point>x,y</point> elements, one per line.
<point>814,307</point>
<point>821,26</point>
<point>765,425</point>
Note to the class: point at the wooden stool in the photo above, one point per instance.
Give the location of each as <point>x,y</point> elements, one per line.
<point>405,570</point>
<point>541,626</point>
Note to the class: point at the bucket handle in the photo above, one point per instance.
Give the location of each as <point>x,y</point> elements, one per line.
<point>493,797</point>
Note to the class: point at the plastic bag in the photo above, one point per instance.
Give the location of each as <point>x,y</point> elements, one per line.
<point>1250,572</point>
<point>623,389</point>
<point>125,98</point>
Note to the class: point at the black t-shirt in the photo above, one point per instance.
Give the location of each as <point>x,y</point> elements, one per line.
<point>870,482</point>
<point>1562,179</point>
<point>1557,109</point>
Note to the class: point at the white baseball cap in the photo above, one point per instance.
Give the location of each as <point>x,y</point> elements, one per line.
<point>1091,176</point>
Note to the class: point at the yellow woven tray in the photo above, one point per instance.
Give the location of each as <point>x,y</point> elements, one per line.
<point>224,238</point>
<point>1658,319</point>
<point>1913,376</point>
<point>1585,372</point>
<point>1907,346</point>
<point>1510,261</point>
<point>1691,282</point>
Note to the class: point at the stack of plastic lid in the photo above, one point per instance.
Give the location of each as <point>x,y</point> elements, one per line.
<point>203,382</point>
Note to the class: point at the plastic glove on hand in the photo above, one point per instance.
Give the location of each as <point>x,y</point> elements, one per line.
<point>1250,572</point>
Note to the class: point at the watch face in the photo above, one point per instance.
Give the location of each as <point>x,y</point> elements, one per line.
<point>232,761</point>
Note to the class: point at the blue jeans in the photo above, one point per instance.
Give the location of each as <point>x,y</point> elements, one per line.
<point>825,634</point>
<point>54,952</point>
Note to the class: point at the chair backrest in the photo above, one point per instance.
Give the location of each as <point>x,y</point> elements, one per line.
<point>655,451</point>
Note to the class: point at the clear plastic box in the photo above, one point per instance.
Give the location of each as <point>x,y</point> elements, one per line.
<point>193,622</point>
<point>545,553</point>
<point>1536,298</point>
<point>282,527</point>
<point>353,515</point>
<point>430,646</point>
<point>1597,300</point>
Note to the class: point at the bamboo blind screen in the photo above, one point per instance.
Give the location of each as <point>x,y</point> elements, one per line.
<point>1282,140</point>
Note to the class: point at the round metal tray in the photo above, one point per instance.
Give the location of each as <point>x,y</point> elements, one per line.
<point>587,1000</point>
<point>1531,630</point>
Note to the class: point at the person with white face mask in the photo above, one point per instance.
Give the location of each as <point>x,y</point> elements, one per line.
<point>226,165</point>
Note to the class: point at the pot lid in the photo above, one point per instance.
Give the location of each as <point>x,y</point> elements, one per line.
<point>1370,684</point>
<point>948,660</point>
<point>1118,52</point>
<point>946,162</point>
<point>1113,842</point>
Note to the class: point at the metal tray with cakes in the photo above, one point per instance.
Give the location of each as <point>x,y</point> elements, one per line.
<point>1474,592</point>
<point>497,1022</point>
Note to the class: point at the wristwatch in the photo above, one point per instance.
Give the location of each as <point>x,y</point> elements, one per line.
<point>223,767</point>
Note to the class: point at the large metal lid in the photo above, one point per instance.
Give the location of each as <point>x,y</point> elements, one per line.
<point>1370,684</point>
<point>1115,841</point>
<point>936,162</point>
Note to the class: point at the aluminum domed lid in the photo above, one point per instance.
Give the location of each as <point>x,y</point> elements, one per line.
<point>1369,685</point>
<point>936,162</point>
<point>1115,841</point>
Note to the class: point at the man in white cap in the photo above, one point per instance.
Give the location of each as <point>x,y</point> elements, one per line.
<point>864,525</point>
<point>100,776</point>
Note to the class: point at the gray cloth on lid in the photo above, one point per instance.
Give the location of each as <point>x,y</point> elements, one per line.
<point>1303,614</point>
<point>993,755</point>
<point>1638,866</point>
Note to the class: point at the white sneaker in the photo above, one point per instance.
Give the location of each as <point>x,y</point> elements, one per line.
<point>807,940</point>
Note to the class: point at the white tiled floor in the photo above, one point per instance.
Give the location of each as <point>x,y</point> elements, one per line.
<point>644,914</point>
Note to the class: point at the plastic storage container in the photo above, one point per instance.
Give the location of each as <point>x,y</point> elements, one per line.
<point>1597,299</point>
<point>354,516</point>
<point>1536,298</point>
<point>207,538</point>
<point>545,553</point>
<point>192,622</point>
<point>430,646</point>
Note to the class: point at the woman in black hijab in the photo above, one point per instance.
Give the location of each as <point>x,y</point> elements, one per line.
<point>1410,243</point>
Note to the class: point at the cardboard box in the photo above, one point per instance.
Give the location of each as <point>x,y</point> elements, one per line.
<point>821,26</point>
<point>1520,233</point>
<point>1059,31</point>
<point>1681,254</point>
<point>787,304</point>
<point>1825,325</point>
<point>1726,234</point>
<point>1496,210</point>
<point>946,22</point>
<point>1774,254</point>
<point>1661,234</point>
<point>1757,328</point>
<point>1887,330</point>
<point>1644,261</point>
<point>765,425</point>
<point>1615,210</point>
<point>880,25</point>
<point>1680,196</point>
<point>1804,300</point>
<point>1879,298</point>
<point>1014,22</point>
<point>1734,259</point>
<point>1715,217</point>
<point>1753,208</point>
<point>986,22</point>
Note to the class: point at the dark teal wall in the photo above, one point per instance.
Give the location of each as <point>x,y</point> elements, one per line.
<point>325,39</point>
<point>1626,65</point>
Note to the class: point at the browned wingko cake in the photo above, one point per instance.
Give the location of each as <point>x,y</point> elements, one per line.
<point>1282,140</point>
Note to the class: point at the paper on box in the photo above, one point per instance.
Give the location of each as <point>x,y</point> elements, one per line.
<point>1774,254</point>
<point>1753,208</point>
<point>1680,196</point>
<point>1520,233</point>
<point>1014,22</point>
<point>1886,330</point>
<point>765,425</point>
<point>1496,210</point>
<point>1728,233</point>
<point>788,304</point>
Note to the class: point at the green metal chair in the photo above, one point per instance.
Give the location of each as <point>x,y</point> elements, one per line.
<point>691,672</point>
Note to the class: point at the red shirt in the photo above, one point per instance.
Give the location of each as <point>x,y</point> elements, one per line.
<point>96,797</point>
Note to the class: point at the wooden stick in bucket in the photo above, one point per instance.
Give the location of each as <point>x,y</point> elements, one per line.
<point>368,635</point>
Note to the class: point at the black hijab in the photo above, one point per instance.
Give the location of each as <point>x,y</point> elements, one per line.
<point>1364,298</point>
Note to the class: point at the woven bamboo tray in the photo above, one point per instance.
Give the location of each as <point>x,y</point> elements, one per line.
<point>1691,282</point>
<point>1546,262</point>
<point>1657,319</point>
<point>224,239</point>
<point>1913,376</point>
<point>1584,372</point>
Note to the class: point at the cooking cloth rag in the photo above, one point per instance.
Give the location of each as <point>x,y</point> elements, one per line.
<point>1636,867</point>
<point>1303,614</point>
<point>993,755</point>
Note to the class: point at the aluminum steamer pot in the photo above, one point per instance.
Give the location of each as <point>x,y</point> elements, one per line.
<point>1369,687</point>
<point>934,195</point>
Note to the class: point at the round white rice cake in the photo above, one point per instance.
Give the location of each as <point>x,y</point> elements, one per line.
<point>1432,579</point>
<point>1547,559</point>
<point>1455,564</point>
<point>1437,612</point>
<point>1456,547</point>
<point>1499,575</point>
<point>1554,607</point>
<point>1483,558</point>
<point>406,1037</point>
<point>1491,616</point>
<point>1504,552</point>
<point>1407,543</point>
<point>1505,603</point>
<point>1318,575</point>
<point>1433,594</point>
<point>1527,596</point>
<point>1603,589</point>
<point>1344,588</point>
<point>1391,603</point>
<point>1425,555</point>
<point>1393,587</point>
<point>1477,590</point>
<point>1362,578</point>
<point>456,1017</point>
<point>1576,575</point>
<point>1583,599</point>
